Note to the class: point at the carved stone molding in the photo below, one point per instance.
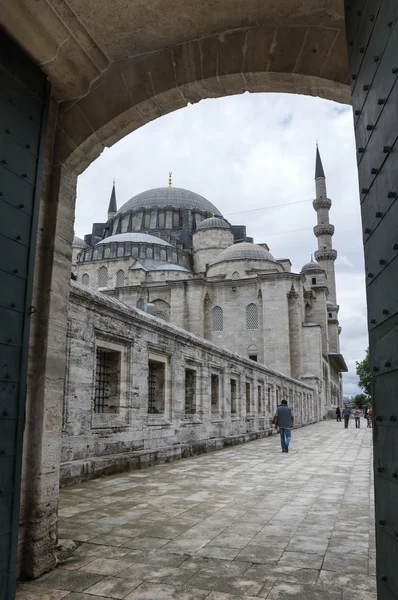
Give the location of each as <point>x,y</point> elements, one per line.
<point>323,230</point>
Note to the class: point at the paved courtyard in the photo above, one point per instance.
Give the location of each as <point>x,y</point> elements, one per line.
<point>243,523</point>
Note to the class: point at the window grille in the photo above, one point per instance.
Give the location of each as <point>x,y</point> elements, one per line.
<point>190,391</point>
<point>120,278</point>
<point>156,387</point>
<point>259,398</point>
<point>147,221</point>
<point>174,257</point>
<point>269,399</point>
<point>107,252</point>
<point>120,251</point>
<point>251,316</point>
<point>107,373</point>
<point>248,399</point>
<point>235,275</point>
<point>95,255</point>
<point>149,252</point>
<point>102,277</point>
<point>86,279</point>
<point>215,385</point>
<point>161,220</point>
<point>233,396</point>
<point>163,255</point>
<point>218,319</point>
<point>134,253</point>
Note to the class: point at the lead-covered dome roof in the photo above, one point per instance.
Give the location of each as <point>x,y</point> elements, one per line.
<point>137,238</point>
<point>213,223</point>
<point>169,197</point>
<point>78,243</point>
<point>311,266</point>
<point>244,250</point>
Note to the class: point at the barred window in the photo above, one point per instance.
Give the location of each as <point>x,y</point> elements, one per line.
<point>163,255</point>
<point>120,278</point>
<point>120,251</point>
<point>134,253</point>
<point>251,316</point>
<point>218,319</point>
<point>235,275</point>
<point>161,220</point>
<point>147,220</point>
<point>107,252</point>
<point>102,277</point>
<point>107,381</point>
<point>86,279</point>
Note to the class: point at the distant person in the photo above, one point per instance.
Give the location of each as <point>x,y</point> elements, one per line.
<point>357,416</point>
<point>285,421</point>
<point>338,414</point>
<point>369,415</point>
<point>346,416</point>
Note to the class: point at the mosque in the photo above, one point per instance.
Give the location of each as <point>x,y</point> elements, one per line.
<point>170,251</point>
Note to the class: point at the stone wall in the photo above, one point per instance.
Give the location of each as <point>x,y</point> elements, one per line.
<point>127,435</point>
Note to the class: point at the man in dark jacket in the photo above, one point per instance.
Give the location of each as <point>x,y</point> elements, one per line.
<point>338,414</point>
<point>285,421</point>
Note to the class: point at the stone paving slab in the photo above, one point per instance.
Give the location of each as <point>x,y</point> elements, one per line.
<point>242,523</point>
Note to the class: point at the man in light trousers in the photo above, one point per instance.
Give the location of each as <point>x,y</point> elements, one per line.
<point>285,421</point>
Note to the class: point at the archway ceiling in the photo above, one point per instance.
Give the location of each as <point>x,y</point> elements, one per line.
<point>116,64</point>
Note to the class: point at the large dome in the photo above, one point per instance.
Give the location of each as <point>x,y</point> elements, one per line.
<point>169,197</point>
<point>244,251</point>
<point>140,238</point>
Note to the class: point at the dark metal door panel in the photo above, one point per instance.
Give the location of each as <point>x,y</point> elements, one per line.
<point>372,35</point>
<point>24,97</point>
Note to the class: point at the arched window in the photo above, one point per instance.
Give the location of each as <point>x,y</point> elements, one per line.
<point>134,252</point>
<point>95,255</point>
<point>86,279</point>
<point>251,316</point>
<point>107,252</point>
<point>174,257</point>
<point>176,219</point>
<point>149,252</point>
<point>120,251</point>
<point>120,278</point>
<point>161,220</point>
<point>235,275</point>
<point>218,319</point>
<point>133,223</point>
<point>163,255</point>
<point>102,277</point>
<point>147,220</point>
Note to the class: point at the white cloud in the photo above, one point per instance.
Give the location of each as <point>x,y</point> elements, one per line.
<point>247,152</point>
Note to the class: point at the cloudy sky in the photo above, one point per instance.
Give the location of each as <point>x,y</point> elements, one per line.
<point>247,154</point>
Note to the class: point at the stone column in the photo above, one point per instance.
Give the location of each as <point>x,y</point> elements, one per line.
<point>295,324</point>
<point>47,361</point>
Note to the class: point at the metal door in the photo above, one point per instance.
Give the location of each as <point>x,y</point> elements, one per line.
<point>24,95</point>
<point>372,36</point>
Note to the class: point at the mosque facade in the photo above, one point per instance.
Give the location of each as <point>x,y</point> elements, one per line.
<point>170,253</point>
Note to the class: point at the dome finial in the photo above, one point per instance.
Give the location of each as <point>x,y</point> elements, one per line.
<point>170,180</point>
<point>312,258</point>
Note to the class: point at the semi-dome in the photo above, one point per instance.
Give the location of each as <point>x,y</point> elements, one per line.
<point>78,243</point>
<point>169,197</point>
<point>213,223</point>
<point>137,238</point>
<point>311,266</point>
<point>244,251</point>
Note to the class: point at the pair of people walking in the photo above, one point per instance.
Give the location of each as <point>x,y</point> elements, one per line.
<point>284,419</point>
<point>357,416</point>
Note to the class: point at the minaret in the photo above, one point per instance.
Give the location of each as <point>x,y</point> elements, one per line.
<point>112,209</point>
<point>324,231</point>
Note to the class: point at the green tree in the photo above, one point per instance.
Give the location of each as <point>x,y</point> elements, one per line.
<point>360,400</point>
<point>365,378</point>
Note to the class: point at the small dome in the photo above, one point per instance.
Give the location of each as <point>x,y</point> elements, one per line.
<point>311,266</point>
<point>78,243</point>
<point>170,267</point>
<point>137,238</point>
<point>213,223</point>
<point>169,197</point>
<point>244,251</point>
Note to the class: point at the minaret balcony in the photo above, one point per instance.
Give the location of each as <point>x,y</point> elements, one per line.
<point>323,230</point>
<point>327,254</point>
<point>322,203</point>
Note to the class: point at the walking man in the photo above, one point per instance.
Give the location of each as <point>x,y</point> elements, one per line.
<point>346,416</point>
<point>338,414</point>
<point>357,415</point>
<point>285,421</point>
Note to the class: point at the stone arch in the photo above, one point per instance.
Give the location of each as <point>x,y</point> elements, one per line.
<point>120,278</point>
<point>86,279</point>
<point>162,309</point>
<point>252,316</point>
